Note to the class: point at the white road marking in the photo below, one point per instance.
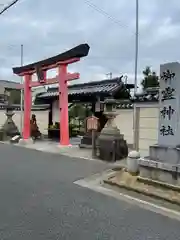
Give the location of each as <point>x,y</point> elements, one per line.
<point>95,185</point>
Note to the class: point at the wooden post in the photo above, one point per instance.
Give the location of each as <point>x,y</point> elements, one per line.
<point>114,151</point>
<point>93,143</point>
<point>92,125</point>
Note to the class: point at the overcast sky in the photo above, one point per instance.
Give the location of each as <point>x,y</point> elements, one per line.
<point>48,27</point>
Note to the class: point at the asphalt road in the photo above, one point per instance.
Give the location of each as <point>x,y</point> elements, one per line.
<point>38,200</point>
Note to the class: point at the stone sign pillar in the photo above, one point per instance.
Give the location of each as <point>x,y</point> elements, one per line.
<point>167,150</point>
<point>169,125</point>
<point>163,163</point>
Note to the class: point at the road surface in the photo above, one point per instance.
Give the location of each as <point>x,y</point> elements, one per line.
<point>38,200</point>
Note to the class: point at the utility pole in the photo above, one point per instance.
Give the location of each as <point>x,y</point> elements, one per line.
<point>135,113</point>
<point>8,6</point>
<point>136,46</point>
<point>110,75</point>
<point>21,121</point>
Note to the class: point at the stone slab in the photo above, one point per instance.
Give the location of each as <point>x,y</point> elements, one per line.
<point>166,154</point>
<point>25,142</point>
<point>146,187</point>
<point>160,171</point>
<point>15,139</point>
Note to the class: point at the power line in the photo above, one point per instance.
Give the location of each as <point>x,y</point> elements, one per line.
<point>8,6</point>
<point>103,12</point>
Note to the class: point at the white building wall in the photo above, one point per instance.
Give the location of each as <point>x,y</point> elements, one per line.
<point>42,119</point>
<point>55,111</point>
<point>148,124</point>
<point>124,121</point>
<point>148,128</point>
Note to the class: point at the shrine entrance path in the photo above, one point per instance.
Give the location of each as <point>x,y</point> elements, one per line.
<point>39,200</point>
<point>70,151</point>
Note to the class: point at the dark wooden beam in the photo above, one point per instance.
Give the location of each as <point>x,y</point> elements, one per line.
<point>78,52</point>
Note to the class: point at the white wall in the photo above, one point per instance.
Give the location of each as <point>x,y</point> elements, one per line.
<point>42,119</point>
<point>148,128</point>
<point>124,121</point>
<point>55,111</point>
<point>148,124</point>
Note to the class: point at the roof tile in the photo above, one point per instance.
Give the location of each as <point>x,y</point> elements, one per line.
<point>79,89</point>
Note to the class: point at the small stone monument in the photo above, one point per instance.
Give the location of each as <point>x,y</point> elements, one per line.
<point>9,129</point>
<point>165,155</point>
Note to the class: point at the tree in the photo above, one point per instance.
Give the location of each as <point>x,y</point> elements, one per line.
<point>15,96</point>
<point>78,110</point>
<point>150,78</point>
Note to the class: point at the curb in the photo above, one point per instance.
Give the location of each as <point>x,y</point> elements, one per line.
<point>146,193</point>
<point>5,142</point>
<point>156,183</point>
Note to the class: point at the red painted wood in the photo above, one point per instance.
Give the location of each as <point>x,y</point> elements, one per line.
<point>63,106</point>
<point>70,61</point>
<point>27,106</point>
<point>62,79</point>
<point>70,77</point>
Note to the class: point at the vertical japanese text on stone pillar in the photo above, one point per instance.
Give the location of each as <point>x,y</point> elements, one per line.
<point>169,110</point>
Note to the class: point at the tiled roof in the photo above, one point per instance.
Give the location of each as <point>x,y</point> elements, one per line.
<point>9,84</point>
<point>17,107</point>
<point>105,86</point>
<point>124,105</point>
<point>150,95</point>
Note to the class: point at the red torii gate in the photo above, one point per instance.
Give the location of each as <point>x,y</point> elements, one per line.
<point>40,68</point>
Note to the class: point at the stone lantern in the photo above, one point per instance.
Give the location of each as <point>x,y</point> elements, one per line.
<point>9,128</point>
<point>112,145</point>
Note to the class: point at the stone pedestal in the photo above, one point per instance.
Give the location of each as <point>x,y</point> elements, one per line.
<point>112,145</point>
<point>9,129</point>
<point>86,141</point>
<point>165,154</point>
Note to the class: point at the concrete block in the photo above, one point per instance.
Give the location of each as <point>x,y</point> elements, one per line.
<point>21,141</point>
<point>155,152</point>
<point>154,174</point>
<point>143,162</point>
<point>174,168</point>
<point>165,154</point>
<point>173,156</point>
<point>166,176</point>
<point>15,139</point>
<point>144,171</point>
<point>178,180</point>
<point>161,171</point>
<point>166,166</point>
<point>178,168</point>
<point>153,164</point>
<point>26,142</point>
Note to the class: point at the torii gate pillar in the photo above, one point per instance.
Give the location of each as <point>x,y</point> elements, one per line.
<point>63,105</point>
<point>27,106</point>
